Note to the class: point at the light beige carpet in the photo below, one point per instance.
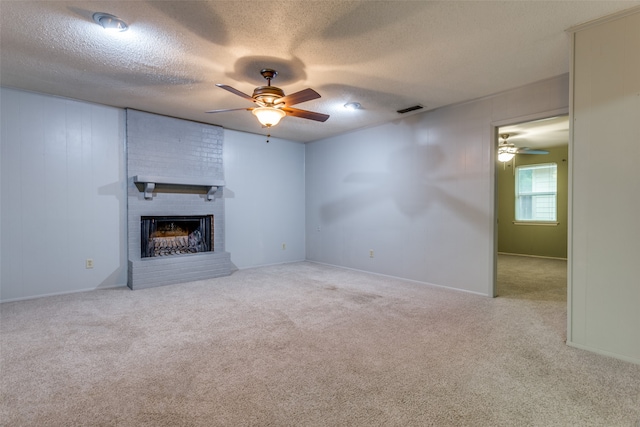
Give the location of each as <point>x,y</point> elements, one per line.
<point>307,345</point>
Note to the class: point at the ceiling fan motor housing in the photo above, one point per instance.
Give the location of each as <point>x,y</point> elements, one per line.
<point>267,94</point>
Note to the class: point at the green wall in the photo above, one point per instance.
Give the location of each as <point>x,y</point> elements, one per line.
<point>539,240</point>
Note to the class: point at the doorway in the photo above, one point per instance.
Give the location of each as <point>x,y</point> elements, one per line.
<point>531,204</point>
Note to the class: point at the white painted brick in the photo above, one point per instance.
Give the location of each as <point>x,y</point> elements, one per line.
<point>160,145</point>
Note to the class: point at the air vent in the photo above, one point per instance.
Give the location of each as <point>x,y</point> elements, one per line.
<point>408,109</point>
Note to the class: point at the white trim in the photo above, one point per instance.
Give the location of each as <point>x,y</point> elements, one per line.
<point>598,21</point>
<point>570,194</point>
<point>532,117</point>
<point>493,148</point>
<point>496,94</point>
<point>532,256</point>
<point>53,294</point>
<point>234,268</point>
<point>543,223</point>
<point>402,279</point>
<point>604,352</point>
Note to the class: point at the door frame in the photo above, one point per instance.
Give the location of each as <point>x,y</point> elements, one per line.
<point>494,174</point>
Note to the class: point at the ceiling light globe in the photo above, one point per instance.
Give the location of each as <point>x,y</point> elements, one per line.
<point>505,156</point>
<point>268,116</point>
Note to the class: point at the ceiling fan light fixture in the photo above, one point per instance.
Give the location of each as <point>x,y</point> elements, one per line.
<point>110,22</point>
<point>268,116</point>
<point>504,155</point>
<point>352,106</point>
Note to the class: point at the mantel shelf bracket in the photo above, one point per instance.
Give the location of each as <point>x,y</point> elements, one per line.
<point>212,192</point>
<point>148,189</point>
<point>150,182</point>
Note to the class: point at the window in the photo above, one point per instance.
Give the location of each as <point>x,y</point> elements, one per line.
<point>536,188</point>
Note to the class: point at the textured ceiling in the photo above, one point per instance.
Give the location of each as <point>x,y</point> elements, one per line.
<point>387,55</point>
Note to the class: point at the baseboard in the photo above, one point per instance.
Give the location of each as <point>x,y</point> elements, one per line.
<point>401,278</point>
<point>604,352</point>
<point>532,256</point>
<point>248,267</point>
<point>53,294</point>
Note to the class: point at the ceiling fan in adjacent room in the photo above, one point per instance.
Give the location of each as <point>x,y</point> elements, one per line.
<point>507,150</point>
<point>273,104</point>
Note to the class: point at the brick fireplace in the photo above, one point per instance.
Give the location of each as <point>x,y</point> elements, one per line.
<point>175,204</point>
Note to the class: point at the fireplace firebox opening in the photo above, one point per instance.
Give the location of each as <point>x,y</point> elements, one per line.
<point>175,235</point>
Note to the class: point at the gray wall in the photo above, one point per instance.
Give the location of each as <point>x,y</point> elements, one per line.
<point>264,199</point>
<point>63,195</point>
<point>63,163</point>
<point>604,253</point>
<point>419,192</point>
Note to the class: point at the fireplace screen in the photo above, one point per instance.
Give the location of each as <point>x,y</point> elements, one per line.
<point>175,235</point>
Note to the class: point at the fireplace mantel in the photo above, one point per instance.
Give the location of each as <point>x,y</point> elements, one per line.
<point>150,182</point>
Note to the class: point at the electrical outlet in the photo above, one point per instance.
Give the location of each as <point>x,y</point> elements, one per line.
<point>371,253</point>
<point>88,263</point>
<point>284,246</point>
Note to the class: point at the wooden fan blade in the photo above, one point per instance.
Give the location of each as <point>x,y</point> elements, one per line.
<point>228,109</point>
<point>304,114</point>
<point>235,91</point>
<point>298,97</point>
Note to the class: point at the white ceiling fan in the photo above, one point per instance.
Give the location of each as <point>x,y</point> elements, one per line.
<point>507,150</point>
